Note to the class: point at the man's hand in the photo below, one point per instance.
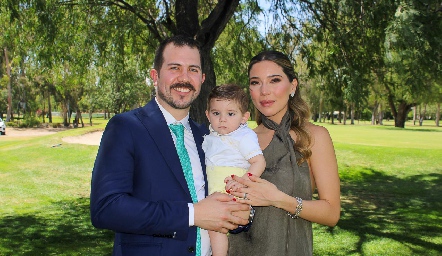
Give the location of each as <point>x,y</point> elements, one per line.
<point>215,213</point>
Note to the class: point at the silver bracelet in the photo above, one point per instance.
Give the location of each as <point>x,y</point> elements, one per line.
<point>298,209</point>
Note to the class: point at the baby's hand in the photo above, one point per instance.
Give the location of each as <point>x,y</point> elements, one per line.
<point>232,185</point>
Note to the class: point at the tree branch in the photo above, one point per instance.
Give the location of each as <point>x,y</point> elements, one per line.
<point>186,13</point>
<point>215,23</point>
<point>168,23</point>
<point>150,21</point>
<point>145,16</point>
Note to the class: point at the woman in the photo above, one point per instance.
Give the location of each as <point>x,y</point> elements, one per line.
<point>300,158</point>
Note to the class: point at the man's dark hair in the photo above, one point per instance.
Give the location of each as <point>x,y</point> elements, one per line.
<point>179,41</point>
<point>230,92</point>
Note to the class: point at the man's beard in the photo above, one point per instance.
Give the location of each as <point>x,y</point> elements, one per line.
<point>177,104</point>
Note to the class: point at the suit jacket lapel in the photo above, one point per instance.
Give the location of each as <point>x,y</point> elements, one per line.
<point>152,118</point>
<point>198,137</point>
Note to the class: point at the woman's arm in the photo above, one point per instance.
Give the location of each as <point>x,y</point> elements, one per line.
<point>324,169</point>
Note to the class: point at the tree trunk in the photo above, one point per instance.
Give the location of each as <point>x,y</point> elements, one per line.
<point>422,115</point>
<point>345,114</point>
<point>401,115</point>
<point>438,114</point>
<point>414,115</point>
<point>211,29</point>
<point>352,113</point>
<point>198,108</point>
<point>8,72</point>
<point>381,115</point>
<point>78,119</point>
<point>43,113</point>
<point>374,113</point>
<point>340,116</point>
<point>65,113</point>
<point>81,118</point>
<point>90,117</point>
<point>49,109</point>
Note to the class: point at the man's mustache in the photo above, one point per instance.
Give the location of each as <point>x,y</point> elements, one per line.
<point>183,85</point>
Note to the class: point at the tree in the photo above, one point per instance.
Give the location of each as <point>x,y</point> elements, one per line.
<point>411,44</point>
<point>9,32</point>
<point>180,17</point>
<point>108,46</point>
<point>395,42</point>
<point>132,25</point>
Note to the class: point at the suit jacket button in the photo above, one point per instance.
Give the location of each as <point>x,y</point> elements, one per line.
<point>191,249</point>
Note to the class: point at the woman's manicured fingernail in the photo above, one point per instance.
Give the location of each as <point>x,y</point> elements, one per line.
<point>234,199</point>
<point>233,175</point>
<point>249,174</point>
<point>228,191</point>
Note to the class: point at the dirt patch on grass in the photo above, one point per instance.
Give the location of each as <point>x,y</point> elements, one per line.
<point>92,138</point>
<point>30,132</point>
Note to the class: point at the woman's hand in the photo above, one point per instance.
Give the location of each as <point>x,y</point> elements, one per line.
<point>258,192</point>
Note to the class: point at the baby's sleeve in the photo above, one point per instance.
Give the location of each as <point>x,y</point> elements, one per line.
<point>249,145</point>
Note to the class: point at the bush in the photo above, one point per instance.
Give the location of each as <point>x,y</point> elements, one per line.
<point>11,124</point>
<point>29,121</point>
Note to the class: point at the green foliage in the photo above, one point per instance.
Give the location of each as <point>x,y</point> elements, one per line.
<point>57,125</point>
<point>358,49</point>
<point>29,121</point>
<point>11,124</point>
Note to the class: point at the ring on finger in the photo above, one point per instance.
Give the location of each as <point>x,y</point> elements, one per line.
<point>245,195</point>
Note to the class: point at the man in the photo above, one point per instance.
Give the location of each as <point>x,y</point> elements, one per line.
<point>139,189</point>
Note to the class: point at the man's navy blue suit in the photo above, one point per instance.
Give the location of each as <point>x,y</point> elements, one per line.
<point>138,186</point>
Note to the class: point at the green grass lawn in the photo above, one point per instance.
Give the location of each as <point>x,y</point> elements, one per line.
<point>391,183</point>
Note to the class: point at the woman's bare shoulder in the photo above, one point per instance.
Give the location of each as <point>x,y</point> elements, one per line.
<point>318,133</point>
<point>317,130</point>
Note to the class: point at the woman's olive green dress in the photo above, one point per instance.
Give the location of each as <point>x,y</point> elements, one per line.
<point>273,232</point>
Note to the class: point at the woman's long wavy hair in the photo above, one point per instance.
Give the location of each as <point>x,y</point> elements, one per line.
<point>297,105</point>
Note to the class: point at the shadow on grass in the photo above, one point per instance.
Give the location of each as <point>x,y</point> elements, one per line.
<point>406,210</point>
<point>61,229</point>
<point>436,129</point>
<point>374,207</point>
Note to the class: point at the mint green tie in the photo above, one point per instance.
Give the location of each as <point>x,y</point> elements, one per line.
<point>178,130</point>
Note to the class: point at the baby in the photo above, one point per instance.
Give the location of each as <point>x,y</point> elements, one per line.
<point>230,148</point>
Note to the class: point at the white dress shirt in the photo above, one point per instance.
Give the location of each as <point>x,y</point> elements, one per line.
<point>197,170</point>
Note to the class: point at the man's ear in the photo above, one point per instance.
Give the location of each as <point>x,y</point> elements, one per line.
<point>245,117</point>
<point>154,76</point>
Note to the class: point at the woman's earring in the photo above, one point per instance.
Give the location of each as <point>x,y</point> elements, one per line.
<point>292,94</point>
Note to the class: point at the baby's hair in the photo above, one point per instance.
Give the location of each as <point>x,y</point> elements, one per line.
<point>230,92</point>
